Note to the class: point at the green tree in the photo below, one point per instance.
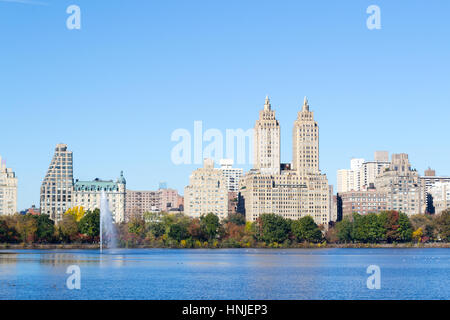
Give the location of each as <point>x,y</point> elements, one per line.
<point>443,225</point>
<point>45,228</point>
<point>7,233</point>
<point>236,218</point>
<point>178,231</point>
<point>367,228</point>
<point>210,225</point>
<point>344,230</point>
<point>157,229</point>
<point>90,223</point>
<point>273,228</point>
<point>305,229</point>
<point>405,230</point>
<point>136,226</point>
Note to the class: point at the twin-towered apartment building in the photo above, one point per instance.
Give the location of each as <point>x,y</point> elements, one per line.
<point>292,191</point>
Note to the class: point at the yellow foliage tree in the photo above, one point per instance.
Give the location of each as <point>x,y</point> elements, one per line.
<point>418,234</point>
<point>78,212</point>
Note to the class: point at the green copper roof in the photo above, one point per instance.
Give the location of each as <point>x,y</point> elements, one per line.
<point>96,185</point>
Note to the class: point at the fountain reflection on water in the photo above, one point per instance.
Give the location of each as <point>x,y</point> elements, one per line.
<point>108,235</point>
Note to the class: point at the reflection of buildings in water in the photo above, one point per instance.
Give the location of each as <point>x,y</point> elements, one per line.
<point>8,258</point>
<point>108,260</point>
<point>64,258</point>
<point>8,265</point>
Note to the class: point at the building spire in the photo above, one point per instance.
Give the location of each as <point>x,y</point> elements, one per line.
<point>305,105</point>
<point>267,103</point>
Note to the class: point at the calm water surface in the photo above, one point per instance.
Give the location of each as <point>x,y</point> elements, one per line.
<point>226,274</point>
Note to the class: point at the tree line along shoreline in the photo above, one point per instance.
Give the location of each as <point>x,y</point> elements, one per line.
<point>80,230</point>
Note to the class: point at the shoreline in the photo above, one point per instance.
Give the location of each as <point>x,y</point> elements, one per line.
<point>38,246</point>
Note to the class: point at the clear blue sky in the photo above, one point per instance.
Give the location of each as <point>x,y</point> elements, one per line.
<point>137,70</point>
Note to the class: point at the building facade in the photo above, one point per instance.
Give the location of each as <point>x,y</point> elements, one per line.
<point>401,183</point>
<point>267,141</point>
<point>362,173</point>
<point>428,181</point>
<point>363,202</point>
<point>8,190</point>
<point>88,194</point>
<point>207,192</point>
<point>232,175</point>
<point>349,179</point>
<point>293,192</point>
<point>441,196</point>
<point>140,202</point>
<point>57,186</point>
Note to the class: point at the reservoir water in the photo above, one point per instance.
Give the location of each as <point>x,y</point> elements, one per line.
<point>243,274</point>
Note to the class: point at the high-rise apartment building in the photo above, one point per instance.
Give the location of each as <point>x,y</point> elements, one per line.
<point>8,190</point>
<point>232,175</point>
<point>207,192</point>
<point>267,141</point>
<point>441,196</point>
<point>305,140</point>
<point>348,180</point>
<point>87,194</point>
<point>401,183</point>
<point>362,173</point>
<point>291,193</point>
<point>57,186</point>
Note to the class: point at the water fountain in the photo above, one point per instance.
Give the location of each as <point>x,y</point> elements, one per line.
<point>107,228</point>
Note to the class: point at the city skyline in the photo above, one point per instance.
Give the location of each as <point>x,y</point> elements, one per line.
<point>371,89</point>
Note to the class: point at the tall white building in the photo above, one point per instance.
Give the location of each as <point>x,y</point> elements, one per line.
<point>267,141</point>
<point>87,194</point>
<point>57,186</point>
<point>232,175</point>
<point>349,179</point>
<point>291,193</point>
<point>8,190</point>
<point>362,173</point>
<point>440,192</point>
<point>207,192</point>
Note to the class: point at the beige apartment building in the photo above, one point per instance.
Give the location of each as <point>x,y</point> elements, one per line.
<point>291,193</point>
<point>267,141</point>
<point>8,190</point>
<point>401,183</point>
<point>87,194</point>
<point>207,192</point>
<point>57,186</point>
<point>140,202</point>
